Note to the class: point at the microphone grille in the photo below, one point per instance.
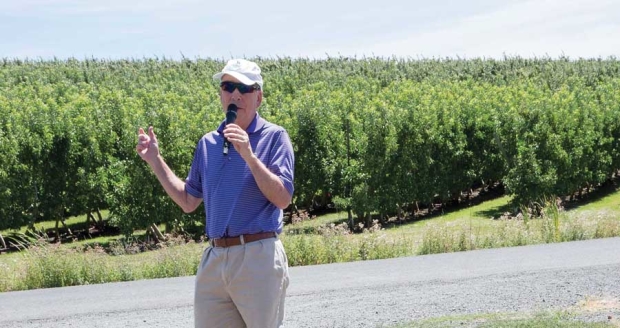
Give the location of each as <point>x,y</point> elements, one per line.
<point>231,113</point>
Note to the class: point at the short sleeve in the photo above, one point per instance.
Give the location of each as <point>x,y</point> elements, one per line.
<point>193,183</point>
<point>283,159</point>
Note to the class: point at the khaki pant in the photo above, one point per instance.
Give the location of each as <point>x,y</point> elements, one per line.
<point>242,286</point>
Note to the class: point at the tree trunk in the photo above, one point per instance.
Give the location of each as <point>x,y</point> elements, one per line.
<point>350,216</point>
<point>89,218</point>
<point>154,231</point>
<point>57,229</point>
<point>151,234</point>
<point>100,223</point>
<point>35,209</point>
<point>2,242</point>
<point>64,225</point>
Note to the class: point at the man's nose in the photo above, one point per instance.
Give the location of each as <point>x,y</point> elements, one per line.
<point>236,94</point>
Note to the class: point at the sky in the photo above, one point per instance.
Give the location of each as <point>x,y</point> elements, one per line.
<point>193,29</point>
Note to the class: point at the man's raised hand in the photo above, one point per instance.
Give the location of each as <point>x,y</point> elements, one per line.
<point>147,146</point>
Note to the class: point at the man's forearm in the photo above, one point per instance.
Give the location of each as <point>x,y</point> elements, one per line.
<point>174,187</point>
<point>269,184</point>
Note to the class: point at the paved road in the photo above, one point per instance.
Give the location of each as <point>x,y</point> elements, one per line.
<point>360,294</point>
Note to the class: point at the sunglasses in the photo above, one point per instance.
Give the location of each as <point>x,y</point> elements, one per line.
<point>243,89</point>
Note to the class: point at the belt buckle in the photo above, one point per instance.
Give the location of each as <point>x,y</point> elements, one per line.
<point>241,240</point>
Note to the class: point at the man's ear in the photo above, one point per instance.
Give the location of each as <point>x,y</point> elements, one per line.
<point>260,99</point>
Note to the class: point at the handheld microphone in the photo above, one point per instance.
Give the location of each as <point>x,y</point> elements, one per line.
<point>231,116</point>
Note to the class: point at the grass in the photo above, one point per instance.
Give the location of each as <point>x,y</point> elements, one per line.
<point>325,239</point>
<point>335,243</point>
<point>72,222</point>
<point>79,223</point>
<point>57,265</point>
<point>607,202</point>
<point>478,214</point>
<point>590,312</point>
<point>311,224</point>
<point>545,319</point>
<point>106,241</point>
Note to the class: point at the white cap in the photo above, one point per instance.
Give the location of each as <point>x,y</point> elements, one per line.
<point>245,71</point>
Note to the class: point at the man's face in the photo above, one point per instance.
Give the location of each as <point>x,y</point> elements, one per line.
<point>247,103</point>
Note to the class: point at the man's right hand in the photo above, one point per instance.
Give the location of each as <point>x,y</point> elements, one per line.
<point>147,146</point>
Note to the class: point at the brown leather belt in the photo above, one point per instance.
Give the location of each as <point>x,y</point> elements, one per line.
<point>242,239</point>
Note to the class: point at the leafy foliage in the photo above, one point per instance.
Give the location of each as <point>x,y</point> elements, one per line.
<point>377,135</point>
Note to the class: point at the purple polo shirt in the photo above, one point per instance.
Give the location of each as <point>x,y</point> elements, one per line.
<point>233,203</point>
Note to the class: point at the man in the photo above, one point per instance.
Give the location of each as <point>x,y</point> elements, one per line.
<point>243,275</point>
